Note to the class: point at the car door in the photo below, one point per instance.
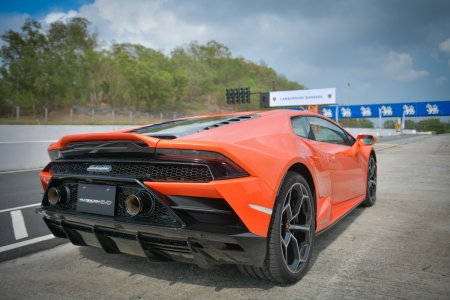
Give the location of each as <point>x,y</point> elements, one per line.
<point>302,128</point>
<point>346,170</point>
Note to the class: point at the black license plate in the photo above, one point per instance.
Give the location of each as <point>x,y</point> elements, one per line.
<point>96,199</point>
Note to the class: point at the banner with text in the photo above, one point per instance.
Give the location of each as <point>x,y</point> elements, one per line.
<point>302,97</point>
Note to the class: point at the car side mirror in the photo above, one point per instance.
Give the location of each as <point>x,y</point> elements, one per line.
<point>366,139</point>
<point>361,140</point>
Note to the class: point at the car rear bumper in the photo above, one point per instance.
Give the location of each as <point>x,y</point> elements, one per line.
<point>205,248</point>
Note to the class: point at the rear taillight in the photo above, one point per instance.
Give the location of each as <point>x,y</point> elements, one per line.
<point>221,166</point>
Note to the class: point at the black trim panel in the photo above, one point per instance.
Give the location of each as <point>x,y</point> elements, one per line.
<point>206,249</point>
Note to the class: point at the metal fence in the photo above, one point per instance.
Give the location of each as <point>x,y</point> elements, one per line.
<point>78,115</point>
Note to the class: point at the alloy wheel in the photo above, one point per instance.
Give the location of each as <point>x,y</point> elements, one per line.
<point>296,231</point>
<point>372,180</point>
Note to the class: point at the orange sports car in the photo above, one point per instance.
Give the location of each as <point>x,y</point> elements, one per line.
<point>251,189</point>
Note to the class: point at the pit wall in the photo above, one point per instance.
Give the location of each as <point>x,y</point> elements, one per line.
<point>24,147</point>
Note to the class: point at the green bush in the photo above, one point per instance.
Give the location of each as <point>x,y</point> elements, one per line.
<point>389,124</point>
<point>435,125</point>
<point>365,123</point>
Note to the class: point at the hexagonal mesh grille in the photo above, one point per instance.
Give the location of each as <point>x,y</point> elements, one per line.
<point>72,203</point>
<point>155,172</point>
<point>160,214</point>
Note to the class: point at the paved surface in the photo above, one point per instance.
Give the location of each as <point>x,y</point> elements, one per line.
<point>385,142</point>
<point>398,249</point>
<point>398,138</point>
<point>21,193</point>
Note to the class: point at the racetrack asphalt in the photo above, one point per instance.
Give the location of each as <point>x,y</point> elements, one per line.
<point>397,249</point>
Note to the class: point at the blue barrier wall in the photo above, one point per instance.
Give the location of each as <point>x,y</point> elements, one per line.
<point>412,109</point>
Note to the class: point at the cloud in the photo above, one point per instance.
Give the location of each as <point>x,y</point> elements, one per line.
<point>441,80</point>
<point>149,23</point>
<point>399,66</point>
<point>63,17</point>
<point>445,47</point>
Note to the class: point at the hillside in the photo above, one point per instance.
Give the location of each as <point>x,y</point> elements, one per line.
<point>66,64</point>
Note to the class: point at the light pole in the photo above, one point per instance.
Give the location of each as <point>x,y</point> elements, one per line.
<point>17,90</point>
<point>273,85</point>
<point>348,103</point>
<point>17,98</point>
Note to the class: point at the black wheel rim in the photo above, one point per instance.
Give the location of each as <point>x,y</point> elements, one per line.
<point>296,231</point>
<point>372,180</point>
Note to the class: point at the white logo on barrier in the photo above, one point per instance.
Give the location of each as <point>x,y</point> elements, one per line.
<point>365,111</point>
<point>409,110</point>
<point>327,112</point>
<point>386,111</point>
<point>346,112</point>
<point>432,109</point>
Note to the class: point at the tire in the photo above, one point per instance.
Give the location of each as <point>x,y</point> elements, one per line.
<point>291,234</point>
<point>371,192</point>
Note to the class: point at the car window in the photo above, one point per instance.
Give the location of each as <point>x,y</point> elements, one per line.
<point>301,127</point>
<point>325,131</point>
<point>351,139</point>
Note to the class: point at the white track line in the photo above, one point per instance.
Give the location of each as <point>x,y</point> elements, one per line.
<point>19,207</point>
<point>25,243</point>
<point>20,231</point>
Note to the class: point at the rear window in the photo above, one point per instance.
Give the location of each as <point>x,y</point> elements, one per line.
<point>178,128</point>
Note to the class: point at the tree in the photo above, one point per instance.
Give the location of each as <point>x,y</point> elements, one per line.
<point>22,54</point>
<point>72,61</point>
<point>46,64</point>
<point>410,124</point>
<point>365,123</point>
<point>436,125</point>
<point>180,79</point>
<point>148,75</point>
<point>211,53</point>
<point>349,123</point>
<point>196,75</point>
<point>389,124</point>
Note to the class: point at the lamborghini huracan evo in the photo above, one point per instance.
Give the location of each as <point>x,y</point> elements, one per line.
<point>251,189</point>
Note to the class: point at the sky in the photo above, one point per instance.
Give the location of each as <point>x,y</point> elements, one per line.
<point>388,51</point>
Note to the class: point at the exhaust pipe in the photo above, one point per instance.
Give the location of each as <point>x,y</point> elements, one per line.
<point>139,204</point>
<point>58,195</point>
